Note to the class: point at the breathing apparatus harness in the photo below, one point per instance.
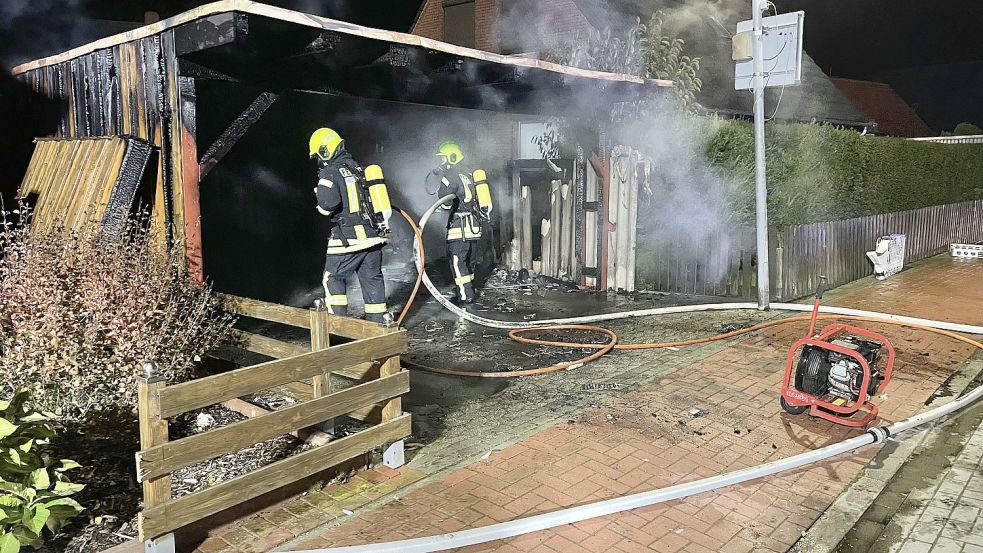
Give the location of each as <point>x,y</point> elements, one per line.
<point>369,189</point>
<point>478,182</point>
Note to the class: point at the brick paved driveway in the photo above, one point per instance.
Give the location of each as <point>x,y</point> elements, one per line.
<point>648,439</point>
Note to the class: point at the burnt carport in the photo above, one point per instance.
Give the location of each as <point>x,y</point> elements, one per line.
<point>200,86</point>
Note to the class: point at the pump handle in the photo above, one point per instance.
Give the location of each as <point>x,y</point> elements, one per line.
<point>821,288</point>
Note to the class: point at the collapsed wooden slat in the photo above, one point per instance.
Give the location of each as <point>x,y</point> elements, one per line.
<point>168,457</point>
<point>78,181</point>
<point>174,514</point>
<point>303,391</point>
<point>210,390</point>
<point>264,345</point>
<point>360,372</point>
<point>251,410</point>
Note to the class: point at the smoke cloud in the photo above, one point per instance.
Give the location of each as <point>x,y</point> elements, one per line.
<point>686,205</point>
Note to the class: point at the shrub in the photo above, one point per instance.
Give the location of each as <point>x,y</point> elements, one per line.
<point>34,489</point>
<point>823,173</point>
<point>81,311</point>
<point>967,129</point>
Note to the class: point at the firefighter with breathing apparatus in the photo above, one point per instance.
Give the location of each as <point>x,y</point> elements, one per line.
<point>471,206</point>
<point>356,203</point>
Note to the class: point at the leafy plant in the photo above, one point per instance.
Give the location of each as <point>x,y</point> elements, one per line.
<point>663,58</point>
<point>34,489</point>
<point>81,311</point>
<point>825,173</point>
<point>647,50</point>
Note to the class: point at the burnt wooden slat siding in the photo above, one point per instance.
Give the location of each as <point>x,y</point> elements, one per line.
<point>134,89</point>
<point>800,254</point>
<point>108,92</point>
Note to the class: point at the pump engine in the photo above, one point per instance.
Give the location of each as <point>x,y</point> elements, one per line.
<point>822,371</point>
<point>837,372</point>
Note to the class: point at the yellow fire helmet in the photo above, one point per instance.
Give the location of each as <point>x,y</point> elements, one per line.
<point>450,151</point>
<point>324,143</point>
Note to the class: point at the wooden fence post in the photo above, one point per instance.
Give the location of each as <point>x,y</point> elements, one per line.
<point>321,339</point>
<point>153,432</point>
<point>393,455</point>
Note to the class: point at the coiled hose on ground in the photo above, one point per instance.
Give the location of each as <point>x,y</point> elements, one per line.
<point>517,329</point>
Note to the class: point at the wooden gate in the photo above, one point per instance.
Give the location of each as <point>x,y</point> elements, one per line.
<point>370,360</point>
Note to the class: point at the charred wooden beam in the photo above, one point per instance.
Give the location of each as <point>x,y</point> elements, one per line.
<point>194,70</point>
<point>324,43</point>
<point>224,143</point>
<point>205,33</point>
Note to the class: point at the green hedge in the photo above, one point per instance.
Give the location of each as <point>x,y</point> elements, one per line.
<point>823,173</point>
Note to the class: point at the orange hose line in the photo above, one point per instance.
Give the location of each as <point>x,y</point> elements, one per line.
<point>419,276</point>
<point>602,349</point>
<point>612,343</point>
<point>514,334</point>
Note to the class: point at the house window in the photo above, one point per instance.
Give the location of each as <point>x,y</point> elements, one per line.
<point>528,132</point>
<point>459,22</point>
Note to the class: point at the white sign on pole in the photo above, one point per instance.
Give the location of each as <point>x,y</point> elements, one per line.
<point>782,41</point>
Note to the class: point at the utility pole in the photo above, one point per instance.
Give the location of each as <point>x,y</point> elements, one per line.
<point>760,184</point>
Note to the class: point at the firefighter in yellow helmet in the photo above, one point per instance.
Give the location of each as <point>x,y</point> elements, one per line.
<point>357,205</point>
<point>471,205</point>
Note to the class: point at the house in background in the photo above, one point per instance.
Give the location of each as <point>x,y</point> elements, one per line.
<point>881,103</point>
<point>529,27</point>
<point>541,216</point>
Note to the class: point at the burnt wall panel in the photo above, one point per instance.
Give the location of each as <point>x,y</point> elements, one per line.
<point>113,91</point>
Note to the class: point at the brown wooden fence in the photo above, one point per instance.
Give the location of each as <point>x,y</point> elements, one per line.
<point>370,361</point>
<point>802,253</point>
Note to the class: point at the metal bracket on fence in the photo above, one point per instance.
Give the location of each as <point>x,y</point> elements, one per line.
<point>163,544</point>
<point>393,456</point>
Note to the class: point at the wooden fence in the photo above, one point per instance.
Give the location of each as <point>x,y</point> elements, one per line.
<point>802,253</point>
<point>369,362</point>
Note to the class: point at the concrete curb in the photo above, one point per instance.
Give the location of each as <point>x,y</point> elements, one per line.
<point>832,526</point>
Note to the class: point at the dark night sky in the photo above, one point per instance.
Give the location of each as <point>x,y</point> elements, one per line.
<point>931,52</point>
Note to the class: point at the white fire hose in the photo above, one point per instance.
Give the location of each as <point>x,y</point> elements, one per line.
<point>579,513</point>
<point>509,325</point>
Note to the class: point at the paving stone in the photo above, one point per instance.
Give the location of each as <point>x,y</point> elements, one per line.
<point>651,441</point>
<point>926,531</point>
<point>913,546</point>
<point>213,545</point>
<point>946,545</point>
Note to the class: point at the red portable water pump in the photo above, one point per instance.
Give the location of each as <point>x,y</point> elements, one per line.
<point>837,372</point>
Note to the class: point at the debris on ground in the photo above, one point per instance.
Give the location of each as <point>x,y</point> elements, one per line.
<point>204,421</point>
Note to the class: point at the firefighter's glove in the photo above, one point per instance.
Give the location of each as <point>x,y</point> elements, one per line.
<point>485,213</point>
